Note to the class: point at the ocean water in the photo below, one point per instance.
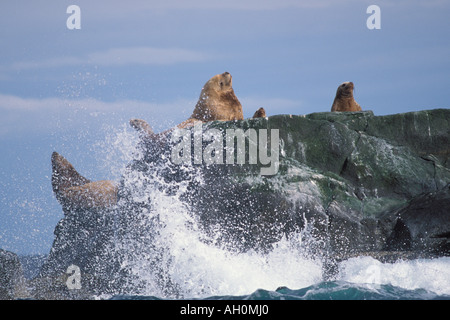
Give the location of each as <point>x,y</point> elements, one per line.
<point>360,278</point>
<point>333,290</point>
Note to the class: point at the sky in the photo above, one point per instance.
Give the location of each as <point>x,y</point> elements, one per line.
<point>74,90</point>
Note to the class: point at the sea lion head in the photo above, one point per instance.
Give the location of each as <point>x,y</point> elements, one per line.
<point>218,101</point>
<point>345,90</point>
<point>344,100</point>
<point>260,113</point>
<point>219,83</point>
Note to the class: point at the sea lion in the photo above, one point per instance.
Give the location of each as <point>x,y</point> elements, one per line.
<point>344,100</point>
<point>260,113</point>
<point>145,129</point>
<point>217,101</point>
<point>142,127</point>
<point>72,190</point>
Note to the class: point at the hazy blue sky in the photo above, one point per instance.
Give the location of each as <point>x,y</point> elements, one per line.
<point>73,91</point>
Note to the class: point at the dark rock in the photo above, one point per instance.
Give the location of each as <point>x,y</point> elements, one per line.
<point>424,224</point>
<point>12,281</point>
<point>351,173</point>
<point>82,239</point>
<point>360,184</point>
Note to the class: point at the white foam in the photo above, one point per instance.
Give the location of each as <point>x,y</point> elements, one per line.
<point>201,269</point>
<point>429,274</point>
<point>210,271</point>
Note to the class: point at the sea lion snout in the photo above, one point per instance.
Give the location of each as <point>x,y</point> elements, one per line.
<point>347,85</point>
<point>346,89</point>
<point>225,81</point>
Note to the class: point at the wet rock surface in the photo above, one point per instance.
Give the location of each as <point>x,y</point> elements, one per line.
<point>361,184</point>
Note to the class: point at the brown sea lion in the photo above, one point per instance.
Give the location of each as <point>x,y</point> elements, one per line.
<point>260,113</point>
<point>217,101</point>
<point>73,190</point>
<point>344,100</point>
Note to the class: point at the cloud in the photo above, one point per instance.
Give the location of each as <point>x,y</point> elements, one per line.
<point>146,56</point>
<point>121,57</point>
<point>51,115</point>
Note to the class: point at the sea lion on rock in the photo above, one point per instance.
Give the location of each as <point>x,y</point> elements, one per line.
<point>260,113</point>
<point>217,101</point>
<point>73,190</point>
<point>344,100</point>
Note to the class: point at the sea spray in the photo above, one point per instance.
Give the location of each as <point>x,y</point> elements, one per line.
<point>165,251</point>
<point>168,255</point>
<point>118,148</point>
<point>431,274</point>
<point>160,247</point>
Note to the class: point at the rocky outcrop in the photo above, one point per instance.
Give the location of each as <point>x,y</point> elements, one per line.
<point>358,183</point>
<point>423,225</point>
<point>363,182</point>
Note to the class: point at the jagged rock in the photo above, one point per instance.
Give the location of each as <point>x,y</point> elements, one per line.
<point>81,239</point>
<point>351,175</point>
<point>424,224</point>
<point>361,184</point>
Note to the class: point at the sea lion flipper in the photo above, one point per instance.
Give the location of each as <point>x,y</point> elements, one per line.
<point>74,190</point>
<point>64,175</point>
<point>142,126</point>
<point>189,123</point>
<point>97,194</point>
<point>146,132</point>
